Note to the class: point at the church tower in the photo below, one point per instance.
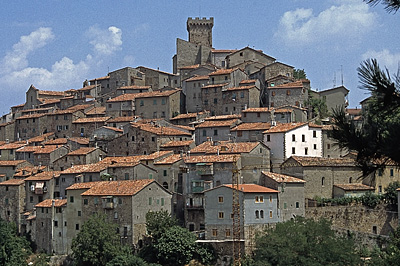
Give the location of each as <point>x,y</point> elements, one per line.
<point>200,31</point>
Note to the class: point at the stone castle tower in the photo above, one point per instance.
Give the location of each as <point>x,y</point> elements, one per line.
<point>200,31</point>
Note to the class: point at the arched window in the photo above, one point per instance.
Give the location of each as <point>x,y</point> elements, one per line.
<point>350,180</point>
<point>323,181</point>
<point>165,185</point>
<point>262,214</point>
<point>257,215</point>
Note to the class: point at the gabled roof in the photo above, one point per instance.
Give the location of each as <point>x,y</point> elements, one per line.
<point>41,138</point>
<point>252,188</point>
<point>224,147</point>
<point>280,178</point>
<point>252,126</point>
<point>102,78</point>
<point>290,85</point>
<point>118,188</point>
<point>12,182</point>
<point>80,140</point>
<point>148,94</point>
<point>12,162</point>
<point>91,120</point>
<point>82,151</point>
<point>173,143</point>
<point>11,146</point>
<point>354,187</point>
<point>44,176</point>
<point>223,117</point>
<point>58,141</point>
<point>217,123</point>
<point>222,158</point>
<point>320,162</point>
<point>97,110</point>
<point>169,160</point>
<point>240,88</point>
<point>214,85</point>
<point>284,127</point>
<point>120,119</point>
<point>160,131</point>
<point>222,71</point>
<point>44,149</point>
<point>257,51</point>
<point>117,130</point>
<point>267,110</point>
<point>196,78</point>
<point>85,168</point>
<point>48,203</point>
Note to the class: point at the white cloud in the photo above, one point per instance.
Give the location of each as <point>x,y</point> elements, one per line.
<point>17,58</point>
<point>105,42</point>
<point>129,60</point>
<point>385,59</point>
<point>346,20</point>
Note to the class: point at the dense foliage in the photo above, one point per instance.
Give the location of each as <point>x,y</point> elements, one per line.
<point>170,244</point>
<point>299,74</point>
<point>14,249</point>
<point>375,140</point>
<point>303,241</point>
<point>390,5</point>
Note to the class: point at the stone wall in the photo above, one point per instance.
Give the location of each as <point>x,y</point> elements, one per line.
<point>366,224</point>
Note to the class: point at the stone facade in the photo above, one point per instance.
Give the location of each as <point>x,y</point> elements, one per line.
<point>295,93</point>
<point>248,54</point>
<point>12,201</point>
<point>200,31</point>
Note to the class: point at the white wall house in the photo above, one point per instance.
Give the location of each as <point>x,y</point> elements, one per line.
<point>293,139</point>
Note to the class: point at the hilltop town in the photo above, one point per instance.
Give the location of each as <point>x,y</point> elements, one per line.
<point>225,122</point>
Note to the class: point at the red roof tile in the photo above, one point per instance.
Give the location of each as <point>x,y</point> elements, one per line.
<point>224,147</point>
<point>12,182</point>
<point>253,188</point>
<point>91,120</point>
<point>197,78</point>
<point>222,123</point>
<point>280,178</point>
<point>48,203</point>
<point>222,158</point>
<point>82,151</point>
<point>117,188</point>
<point>284,127</point>
<point>252,126</point>
<point>85,168</point>
<point>355,186</point>
<point>43,176</point>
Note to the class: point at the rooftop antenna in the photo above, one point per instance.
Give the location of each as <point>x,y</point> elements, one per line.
<point>341,73</point>
<point>334,79</point>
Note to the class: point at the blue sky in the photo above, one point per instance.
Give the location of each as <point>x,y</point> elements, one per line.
<point>57,44</point>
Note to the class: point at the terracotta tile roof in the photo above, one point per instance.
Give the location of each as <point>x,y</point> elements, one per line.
<point>355,186</point>
<point>58,141</point>
<point>196,78</point>
<point>118,188</point>
<point>172,144</point>
<point>114,129</point>
<point>97,111</point>
<point>80,140</point>
<point>29,170</point>
<point>188,115</point>
<point>188,128</point>
<point>120,119</point>
<point>222,158</point>
<point>84,185</point>
<point>12,162</point>
<point>51,93</point>
<point>222,51</point>
<point>319,161</point>
<point>215,85</point>
<point>252,126</point>
<point>312,125</point>
<point>241,88</point>
<point>169,160</point>
<point>253,188</point>
<point>134,87</point>
<point>88,87</point>
<point>46,149</point>
<point>80,107</point>
<point>248,81</point>
<point>123,159</point>
<point>43,176</point>
<point>284,127</point>
<point>353,111</point>
<point>149,94</point>
<point>11,146</point>
<point>218,123</point>
<point>12,182</point>
<point>30,116</point>
<point>222,72</point>
<point>161,131</point>
<point>267,110</point>
<point>91,120</point>
<point>48,203</point>
<point>157,154</point>
<point>85,168</point>
<point>223,117</point>
<point>102,78</point>
<point>295,84</point>
<point>82,151</point>
<point>224,147</point>
<point>41,137</point>
<point>190,67</point>
<point>19,105</point>
<point>280,178</point>
<point>45,101</point>
<point>28,149</point>
<point>63,112</point>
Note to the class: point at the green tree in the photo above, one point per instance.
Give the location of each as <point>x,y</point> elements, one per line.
<point>158,222</point>
<point>14,250</point>
<point>391,193</point>
<point>303,241</point>
<point>97,243</point>
<point>299,74</point>
<point>376,141</point>
<point>390,255</point>
<point>318,107</point>
<point>127,260</point>
<point>390,5</point>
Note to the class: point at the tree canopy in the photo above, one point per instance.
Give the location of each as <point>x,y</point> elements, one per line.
<point>302,241</point>
<point>376,140</point>
<point>299,74</point>
<point>390,5</point>
<point>14,249</point>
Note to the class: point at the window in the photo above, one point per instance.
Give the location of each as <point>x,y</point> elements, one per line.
<point>328,146</point>
<point>205,102</point>
<point>153,139</point>
<point>314,134</point>
<point>293,137</point>
<point>257,215</point>
<point>79,213</point>
<point>227,232</point>
<point>297,204</point>
<point>220,199</point>
<point>306,151</point>
<point>115,215</point>
<point>150,200</point>
<point>285,205</point>
<point>141,103</point>
<point>270,198</point>
<point>273,93</point>
<point>215,132</point>
<point>323,181</point>
<point>268,137</point>
<point>380,172</point>
<point>242,94</point>
<point>220,215</point>
<point>303,138</point>
<point>214,232</point>
<point>155,115</point>
<point>164,172</point>
<point>239,133</point>
<point>55,223</point>
<point>293,150</point>
<point>270,214</point>
<point>391,172</point>
<point>259,199</point>
<point>126,176</point>
<point>76,226</point>
<point>71,199</point>
<point>315,146</point>
<point>380,189</point>
<point>258,114</point>
<point>85,202</point>
<point>288,92</point>
<point>154,102</point>
<point>262,214</point>
<point>204,133</point>
<point>215,100</point>
<point>163,101</point>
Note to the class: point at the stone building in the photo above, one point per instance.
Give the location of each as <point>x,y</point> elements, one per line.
<point>291,201</point>
<point>178,147</point>
<point>40,187</point>
<point>188,118</point>
<point>158,80</point>
<point>7,131</point>
<point>123,202</point>
<point>12,201</point>
<point>132,89</point>
<point>36,97</point>
<point>335,98</point>
<point>247,54</point>
<point>258,208</point>
<point>193,90</point>
<point>330,147</point>
<point>84,127</point>
<point>126,76</point>
<point>321,174</point>
<point>8,168</point>
<point>61,122</point>
<point>8,151</point>
<point>294,93</point>
<point>29,126</point>
<point>51,226</point>
<point>248,132</point>
<point>85,155</point>
<point>214,129</point>
<point>42,155</point>
<point>103,135</point>
<point>236,99</point>
<point>293,139</point>
<point>200,31</point>
<point>265,114</point>
<point>381,178</point>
